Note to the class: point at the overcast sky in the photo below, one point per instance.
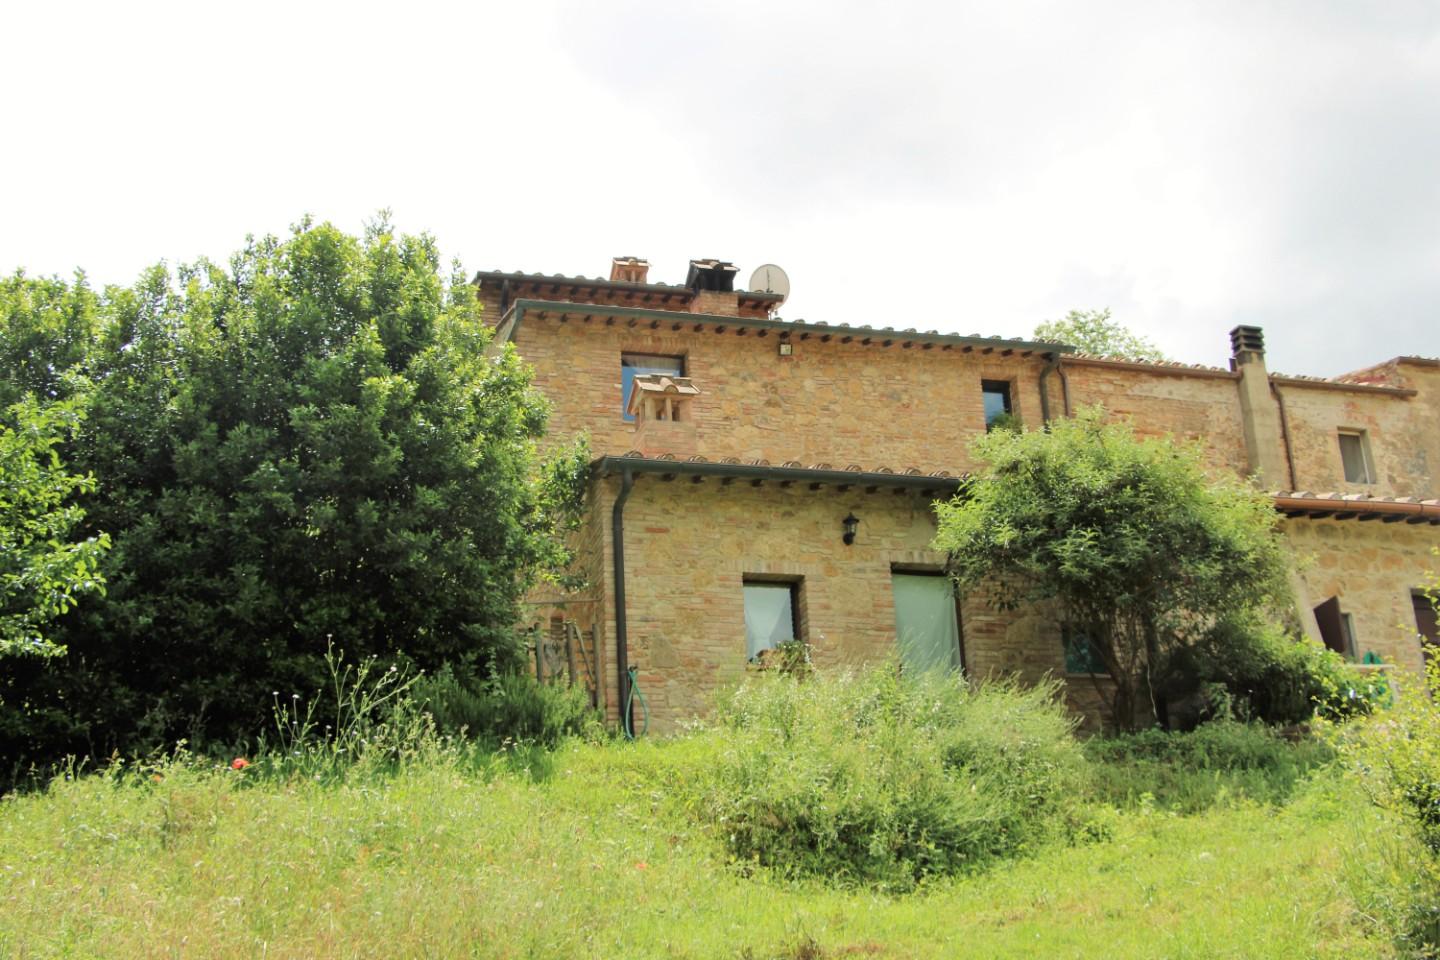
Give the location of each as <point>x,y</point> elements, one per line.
<point>971,167</point>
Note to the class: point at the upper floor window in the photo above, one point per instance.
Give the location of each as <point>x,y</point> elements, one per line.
<point>1355,455</point>
<point>997,399</point>
<point>643,363</point>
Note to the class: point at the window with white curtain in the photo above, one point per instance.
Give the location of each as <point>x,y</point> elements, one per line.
<point>927,627</point>
<point>769,615</point>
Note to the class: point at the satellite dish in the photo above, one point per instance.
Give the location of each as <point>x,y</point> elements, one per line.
<point>770,279</point>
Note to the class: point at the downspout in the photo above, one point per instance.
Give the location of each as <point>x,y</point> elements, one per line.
<point>1064,385</point>
<point>1053,361</point>
<point>1285,433</point>
<point>622,647</point>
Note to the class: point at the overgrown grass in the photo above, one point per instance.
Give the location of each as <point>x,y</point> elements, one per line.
<point>424,847</point>
<point>600,860</point>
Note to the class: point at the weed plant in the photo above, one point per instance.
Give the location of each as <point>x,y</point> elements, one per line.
<point>1394,758</point>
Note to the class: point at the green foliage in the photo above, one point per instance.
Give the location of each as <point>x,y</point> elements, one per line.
<point>1256,671</point>
<point>508,707</point>
<point>47,327</point>
<point>885,780</point>
<point>43,570</point>
<point>315,439</point>
<point>1190,772</point>
<point>1395,758</point>
<point>1125,537</point>
<point>1094,332</point>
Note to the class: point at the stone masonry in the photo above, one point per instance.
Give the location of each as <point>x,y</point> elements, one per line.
<point>904,404</point>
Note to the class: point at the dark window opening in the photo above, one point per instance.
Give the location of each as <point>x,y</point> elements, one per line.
<point>1081,657</point>
<point>632,364</point>
<point>996,394</point>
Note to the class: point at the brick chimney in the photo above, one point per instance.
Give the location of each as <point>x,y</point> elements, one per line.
<point>629,270</point>
<point>1259,411</point>
<point>713,282</point>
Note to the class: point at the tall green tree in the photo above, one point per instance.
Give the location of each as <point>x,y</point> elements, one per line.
<point>312,441</point>
<point>43,569</point>
<point>1125,538</point>
<point>1096,332</point>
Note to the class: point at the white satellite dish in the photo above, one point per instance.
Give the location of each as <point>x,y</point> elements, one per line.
<point>769,278</point>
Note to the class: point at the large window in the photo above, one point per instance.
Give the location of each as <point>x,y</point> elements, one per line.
<point>641,363</point>
<point>997,399</point>
<point>1355,455</point>
<point>770,615</point>
<point>927,627</point>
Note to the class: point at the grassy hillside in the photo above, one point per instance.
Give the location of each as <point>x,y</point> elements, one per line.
<point>599,858</point>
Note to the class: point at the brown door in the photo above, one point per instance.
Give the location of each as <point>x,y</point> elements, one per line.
<point>1332,626</point>
<point>1425,621</point>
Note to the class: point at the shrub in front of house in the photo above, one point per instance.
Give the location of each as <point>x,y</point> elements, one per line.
<point>1192,771</point>
<point>511,707</point>
<point>1268,675</point>
<point>884,779</point>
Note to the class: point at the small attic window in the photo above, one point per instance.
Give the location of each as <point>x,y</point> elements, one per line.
<point>1355,457</point>
<point>632,364</point>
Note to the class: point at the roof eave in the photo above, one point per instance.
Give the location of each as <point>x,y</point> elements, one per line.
<point>814,476</point>
<point>784,327</point>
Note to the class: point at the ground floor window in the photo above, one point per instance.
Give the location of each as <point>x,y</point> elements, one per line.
<point>1080,654</point>
<point>770,615</point>
<point>927,625</point>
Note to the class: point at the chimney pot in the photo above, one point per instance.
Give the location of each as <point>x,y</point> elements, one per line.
<point>629,270</point>
<point>716,276</point>
<point>1246,340</point>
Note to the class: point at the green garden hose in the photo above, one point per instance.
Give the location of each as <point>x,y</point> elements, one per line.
<point>627,718</point>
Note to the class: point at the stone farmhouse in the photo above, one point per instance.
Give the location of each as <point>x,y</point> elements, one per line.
<point>758,480</point>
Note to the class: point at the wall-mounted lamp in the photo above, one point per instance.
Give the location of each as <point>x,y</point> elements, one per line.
<point>786,348</point>
<point>851,522</point>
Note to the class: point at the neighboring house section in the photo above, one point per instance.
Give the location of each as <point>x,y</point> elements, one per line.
<point>759,479</point>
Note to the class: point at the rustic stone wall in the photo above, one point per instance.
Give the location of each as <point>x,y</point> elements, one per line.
<point>1372,567</point>
<point>1187,404</point>
<point>688,545</point>
<point>1402,434</point>
<point>828,403</point>
<point>688,548</point>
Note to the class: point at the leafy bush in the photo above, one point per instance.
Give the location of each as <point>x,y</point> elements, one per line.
<point>1270,676</point>
<point>513,706</point>
<point>1191,771</point>
<point>313,438</point>
<point>886,779</point>
<point>1395,758</point>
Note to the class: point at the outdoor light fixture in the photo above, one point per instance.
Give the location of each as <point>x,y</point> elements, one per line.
<point>851,522</point>
<point>786,348</point>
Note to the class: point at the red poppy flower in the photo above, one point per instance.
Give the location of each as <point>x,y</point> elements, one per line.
<point>239,763</point>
